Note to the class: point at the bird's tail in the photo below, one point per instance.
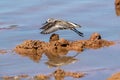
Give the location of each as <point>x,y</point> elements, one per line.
<point>76,31</point>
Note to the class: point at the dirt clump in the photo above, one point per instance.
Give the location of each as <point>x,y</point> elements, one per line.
<point>95,36</point>
<point>31,44</point>
<point>32,49</point>
<point>95,41</point>
<point>117,7</point>
<point>60,74</point>
<point>117,3</point>
<point>41,77</point>
<point>54,37</point>
<point>115,76</point>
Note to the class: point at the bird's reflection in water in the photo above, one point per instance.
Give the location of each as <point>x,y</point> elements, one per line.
<point>56,57</point>
<point>61,60</point>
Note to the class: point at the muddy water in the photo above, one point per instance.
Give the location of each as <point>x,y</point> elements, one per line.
<point>21,20</point>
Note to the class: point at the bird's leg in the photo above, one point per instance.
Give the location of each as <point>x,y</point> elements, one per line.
<point>79,33</point>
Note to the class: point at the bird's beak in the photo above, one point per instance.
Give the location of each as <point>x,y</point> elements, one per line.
<point>45,23</point>
<point>79,25</point>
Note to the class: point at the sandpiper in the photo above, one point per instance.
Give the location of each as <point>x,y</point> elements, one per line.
<point>53,25</point>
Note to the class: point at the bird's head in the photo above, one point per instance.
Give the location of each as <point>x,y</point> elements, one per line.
<point>51,20</point>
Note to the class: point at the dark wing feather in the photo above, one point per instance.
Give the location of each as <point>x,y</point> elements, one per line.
<point>46,23</point>
<point>76,31</point>
<point>49,28</point>
<point>46,26</point>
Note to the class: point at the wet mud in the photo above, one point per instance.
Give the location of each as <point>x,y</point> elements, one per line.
<point>56,46</point>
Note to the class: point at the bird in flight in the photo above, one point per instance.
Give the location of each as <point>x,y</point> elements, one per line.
<point>52,25</point>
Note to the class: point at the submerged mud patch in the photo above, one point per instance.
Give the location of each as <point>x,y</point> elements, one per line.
<point>3,51</point>
<point>58,74</point>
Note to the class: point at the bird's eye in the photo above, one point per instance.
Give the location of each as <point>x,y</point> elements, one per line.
<point>49,20</point>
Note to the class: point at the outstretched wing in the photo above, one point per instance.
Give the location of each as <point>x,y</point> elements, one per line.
<point>46,25</point>
<point>49,28</point>
<point>74,24</point>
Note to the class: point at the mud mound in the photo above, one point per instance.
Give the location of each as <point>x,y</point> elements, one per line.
<point>117,3</point>
<point>55,43</point>
<point>117,7</point>
<point>115,76</point>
